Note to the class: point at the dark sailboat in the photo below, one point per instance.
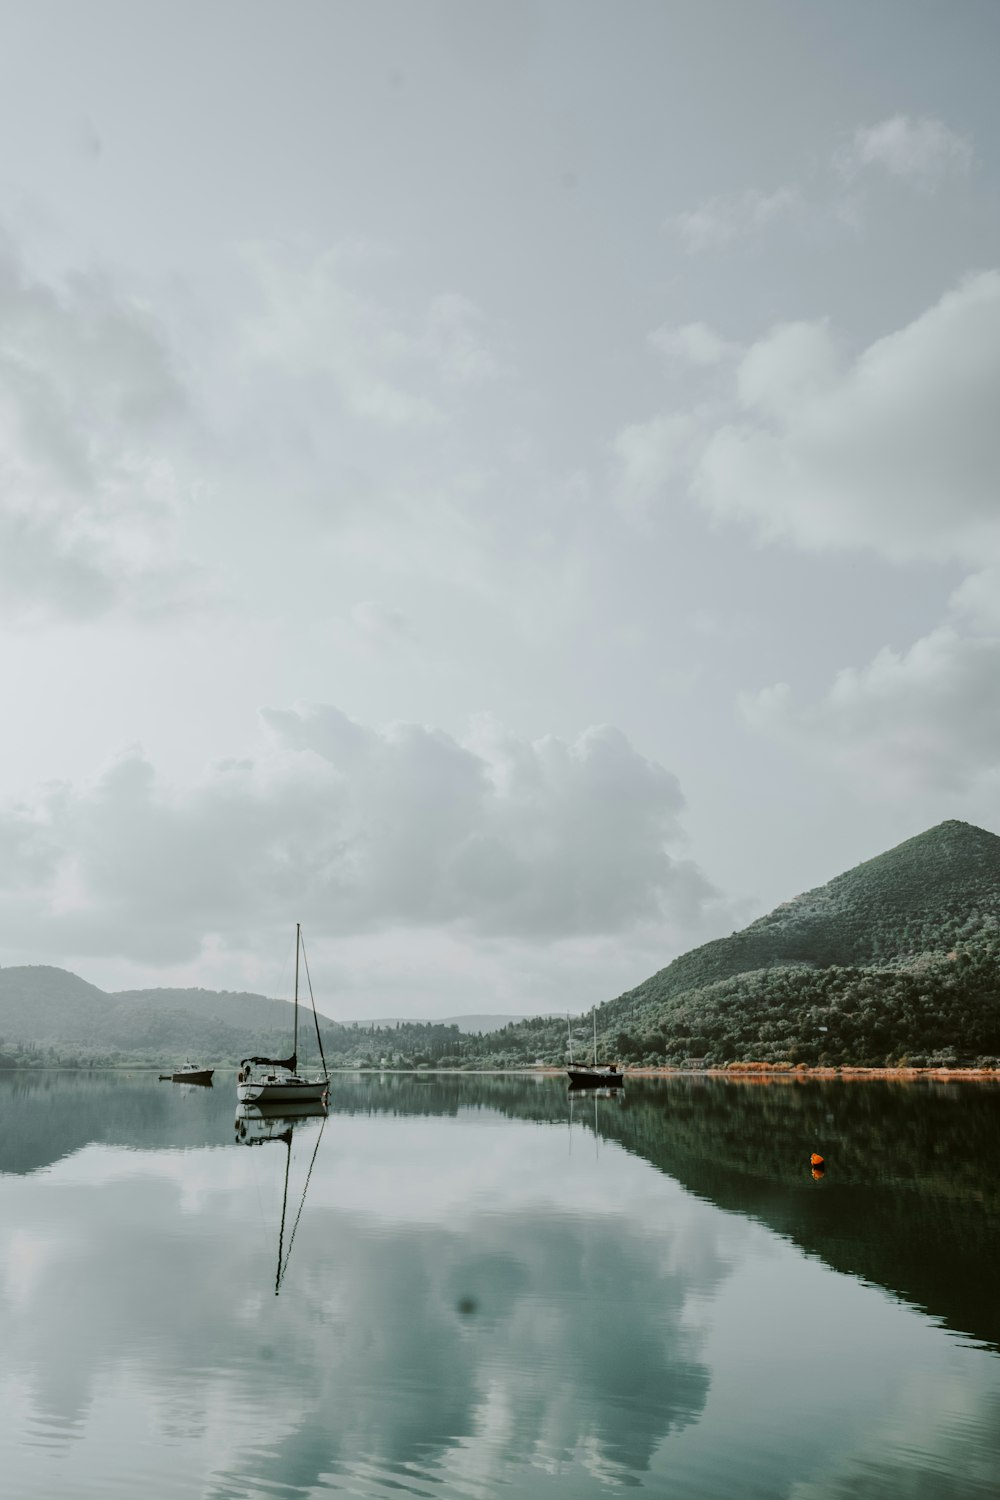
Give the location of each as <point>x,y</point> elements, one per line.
<point>190,1073</point>
<point>593,1075</point>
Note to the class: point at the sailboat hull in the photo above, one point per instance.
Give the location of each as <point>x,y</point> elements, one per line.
<point>282,1091</point>
<point>595,1078</point>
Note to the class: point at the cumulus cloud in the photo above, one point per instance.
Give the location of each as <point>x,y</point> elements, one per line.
<point>894,449</point>
<point>89,495</point>
<point>649,455</point>
<point>393,370</point>
<point>28,856</point>
<point>927,719</point>
<point>693,343</point>
<point>976,601</point>
<point>725,218</point>
<point>922,151</point>
<point>359,829</point>
<point>897,449</point>
<point>453,339</point>
<point>380,624</point>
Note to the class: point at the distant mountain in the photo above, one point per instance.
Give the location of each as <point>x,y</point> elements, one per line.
<point>238,1008</point>
<point>51,1015</point>
<point>50,1008</point>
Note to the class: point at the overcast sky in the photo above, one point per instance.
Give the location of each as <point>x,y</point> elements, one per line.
<point>512,486</point>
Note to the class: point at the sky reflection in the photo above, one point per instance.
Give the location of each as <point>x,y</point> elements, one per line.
<point>471,1300</point>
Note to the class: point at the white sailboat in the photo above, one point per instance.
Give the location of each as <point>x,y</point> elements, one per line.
<point>276,1080</point>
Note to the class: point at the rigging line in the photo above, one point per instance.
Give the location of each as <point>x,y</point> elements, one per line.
<point>284,1205</point>
<point>302,1204</point>
<point>305,960</point>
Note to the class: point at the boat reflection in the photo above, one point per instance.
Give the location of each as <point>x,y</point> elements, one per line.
<point>257,1124</point>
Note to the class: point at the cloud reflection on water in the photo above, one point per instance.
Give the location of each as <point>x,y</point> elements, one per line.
<point>367,1356</point>
<point>472,1301</point>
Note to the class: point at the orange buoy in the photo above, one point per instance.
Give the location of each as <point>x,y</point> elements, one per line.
<point>816,1160</point>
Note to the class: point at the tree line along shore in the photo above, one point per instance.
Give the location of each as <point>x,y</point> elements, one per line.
<point>892,967</point>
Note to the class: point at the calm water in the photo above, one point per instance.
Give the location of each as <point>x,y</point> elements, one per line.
<point>481,1289</point>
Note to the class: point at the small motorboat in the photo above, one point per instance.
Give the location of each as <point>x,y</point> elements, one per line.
<point>190,1073</point>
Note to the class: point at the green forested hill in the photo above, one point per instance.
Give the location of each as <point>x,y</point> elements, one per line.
<point>897,958</point>
<point>900,955</point>
<point>926,895</point>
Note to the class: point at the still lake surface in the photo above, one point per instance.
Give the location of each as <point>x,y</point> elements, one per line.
<point>486,1285</point>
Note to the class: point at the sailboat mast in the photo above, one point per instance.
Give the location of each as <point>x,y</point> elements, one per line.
<point>595,1036</point>
<point>569,1039</point>
<point>298,944</point>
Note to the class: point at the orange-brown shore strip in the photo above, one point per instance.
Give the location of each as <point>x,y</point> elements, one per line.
<point>780,1072</point>
<point>750,1072</point>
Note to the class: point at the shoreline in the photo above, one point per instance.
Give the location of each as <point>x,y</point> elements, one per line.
<point>734,1072</point>
<point>790,1072</point>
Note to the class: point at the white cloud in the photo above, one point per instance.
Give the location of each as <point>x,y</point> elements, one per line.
<point>396,371</point>
<point>650,454</point>
<point>693,343</point>
<point>922,151</point>
<point>89,500</point>
<point>923,720</point>
<point>380,624</point>
<point>453,340</point>
<point>977,599</point>
<point>360,830</point>
<point>723,219</point>
<point>27,854</point>
<point>897,450</point>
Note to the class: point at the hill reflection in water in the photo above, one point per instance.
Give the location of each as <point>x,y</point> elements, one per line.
<point>485,1293</point>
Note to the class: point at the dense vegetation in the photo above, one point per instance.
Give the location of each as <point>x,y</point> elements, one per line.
<point>894,962</point>
<point>898,959</point>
